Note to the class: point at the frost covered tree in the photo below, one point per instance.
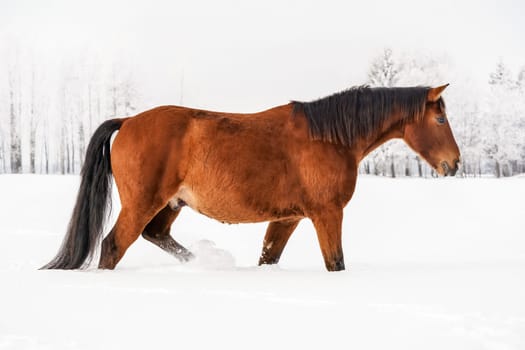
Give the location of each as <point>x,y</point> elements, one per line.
<point>520,81</point>
<point>466,122</point>
<point>384,70</point>
<point>501,76</point>
<point>15,109</point>
<point>122,92</point>
<point>503,123</point>
<point>33,123</point>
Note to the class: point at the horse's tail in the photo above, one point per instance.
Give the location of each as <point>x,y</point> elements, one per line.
<point>87,221</point>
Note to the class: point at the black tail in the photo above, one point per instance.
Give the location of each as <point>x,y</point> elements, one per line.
<point>86,224</point>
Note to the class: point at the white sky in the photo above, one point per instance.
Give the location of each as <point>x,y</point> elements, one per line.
<point>248,55</point>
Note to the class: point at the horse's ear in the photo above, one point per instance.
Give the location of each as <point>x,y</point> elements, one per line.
<point>435,93</point>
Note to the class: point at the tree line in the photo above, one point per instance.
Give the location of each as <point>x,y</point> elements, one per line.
<point>48,113</point>
<point>49,110</point>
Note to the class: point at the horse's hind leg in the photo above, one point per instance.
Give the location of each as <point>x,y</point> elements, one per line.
<point>277,235</point>
<point>157,231</point>
<point>127,229</point>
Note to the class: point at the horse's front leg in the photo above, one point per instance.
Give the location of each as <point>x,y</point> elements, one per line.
<point>275,240</point>
<point>328,224</point>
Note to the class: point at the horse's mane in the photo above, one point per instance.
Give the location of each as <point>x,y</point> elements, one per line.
<point>360,111</point>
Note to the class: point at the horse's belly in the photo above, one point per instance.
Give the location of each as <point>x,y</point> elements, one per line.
<point>230,206</point>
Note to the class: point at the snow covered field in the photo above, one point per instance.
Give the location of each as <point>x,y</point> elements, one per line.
<point>431,264</point>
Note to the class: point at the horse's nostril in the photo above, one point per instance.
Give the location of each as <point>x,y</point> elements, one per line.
<point>445,167</point>
<point>456,164</point>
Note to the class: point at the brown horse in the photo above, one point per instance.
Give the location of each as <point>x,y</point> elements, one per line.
<point>295,161</point>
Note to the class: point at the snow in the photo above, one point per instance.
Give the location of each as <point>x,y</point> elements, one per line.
<point>431,264</point>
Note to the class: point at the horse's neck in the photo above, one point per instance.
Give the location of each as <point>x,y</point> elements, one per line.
<point>390,131</point>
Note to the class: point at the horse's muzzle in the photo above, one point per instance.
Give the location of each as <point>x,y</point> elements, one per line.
<point>449,171</point>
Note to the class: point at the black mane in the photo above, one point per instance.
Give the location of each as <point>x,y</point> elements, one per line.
<point>360,111</point>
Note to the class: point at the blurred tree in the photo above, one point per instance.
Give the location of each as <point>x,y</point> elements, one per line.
<point>501,76</point>
<point>384,70</point>
<point>14,119</point>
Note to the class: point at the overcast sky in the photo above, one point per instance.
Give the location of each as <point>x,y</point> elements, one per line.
<point>251,55</point>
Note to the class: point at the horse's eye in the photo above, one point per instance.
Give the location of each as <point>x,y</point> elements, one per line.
<point>441,120</point>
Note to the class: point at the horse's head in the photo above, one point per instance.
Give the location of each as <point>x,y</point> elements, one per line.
<point>431,136</point>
